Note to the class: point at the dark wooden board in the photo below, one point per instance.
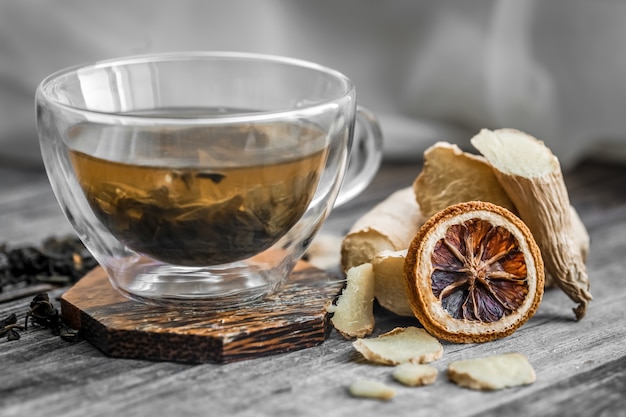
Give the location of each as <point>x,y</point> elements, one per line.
<point>293,318</point>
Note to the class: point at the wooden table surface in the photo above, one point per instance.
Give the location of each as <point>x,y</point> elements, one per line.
<point>580,366</point>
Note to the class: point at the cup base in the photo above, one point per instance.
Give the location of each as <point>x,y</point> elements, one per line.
<point>206,288</point>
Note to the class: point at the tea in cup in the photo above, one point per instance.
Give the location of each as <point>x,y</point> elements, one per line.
<point>200,178</point>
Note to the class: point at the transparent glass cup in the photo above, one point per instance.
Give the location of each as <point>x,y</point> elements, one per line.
<point>200,178</point>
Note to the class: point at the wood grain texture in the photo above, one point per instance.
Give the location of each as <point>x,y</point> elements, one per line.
<point>294,317</point>
<point>580,366</point>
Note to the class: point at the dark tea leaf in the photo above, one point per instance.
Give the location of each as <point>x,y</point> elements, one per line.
<point>213,176</point>
<point>9,328</point>
<point>13,335</point>
<point>10,319</point>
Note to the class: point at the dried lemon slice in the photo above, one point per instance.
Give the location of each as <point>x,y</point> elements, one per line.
<point>474,273</point>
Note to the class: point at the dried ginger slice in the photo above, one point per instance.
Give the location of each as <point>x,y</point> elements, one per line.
<point>400,345</point>
<point>532,177</point>
<point>492,372</point>
<point>451,176</point>
<point>390,225</point>
<point>353,313</point>
<point>415,374</point>
<point>367,388</point>
<point>389,282</point>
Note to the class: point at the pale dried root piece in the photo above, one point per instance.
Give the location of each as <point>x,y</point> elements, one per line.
<point>389,282</point>
<point>451,176</point>
<point>367,388</point>
<point>532,177</point>
<point>415,374</point>
<point>390,225</point>
<point>474,273</point>
<point>493,372</point>
<point>400,345</point>
<point>354,310</point>
<point>581,237</point>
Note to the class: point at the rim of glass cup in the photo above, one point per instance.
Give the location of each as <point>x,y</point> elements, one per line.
<point>43,90</point>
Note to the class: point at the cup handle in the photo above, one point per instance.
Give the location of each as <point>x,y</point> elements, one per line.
<point>366,155</point>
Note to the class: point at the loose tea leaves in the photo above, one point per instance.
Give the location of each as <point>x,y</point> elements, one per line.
<point>42,314</point>
<point>9,327</point>
<point>58,261</point>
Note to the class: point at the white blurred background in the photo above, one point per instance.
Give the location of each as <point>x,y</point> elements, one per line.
<point>431,70</point>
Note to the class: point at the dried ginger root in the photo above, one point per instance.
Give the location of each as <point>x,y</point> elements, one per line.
<point>581,240</point>
<point>390,225</point>
<point>532,177</point>
<point>390,284</point>
<point>451,176</point>
<point>379,237</point>
<point>581,236</point>
<point>353,313</point>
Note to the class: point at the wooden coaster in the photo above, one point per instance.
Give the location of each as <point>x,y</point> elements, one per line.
<point>293,318</point>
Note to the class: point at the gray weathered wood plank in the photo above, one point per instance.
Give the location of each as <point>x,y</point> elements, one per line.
<point>581,366</point>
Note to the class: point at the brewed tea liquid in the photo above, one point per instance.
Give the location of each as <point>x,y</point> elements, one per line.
<point>196,215</point>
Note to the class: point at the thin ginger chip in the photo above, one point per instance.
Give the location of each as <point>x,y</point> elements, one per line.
<point>402,344</point>
<point>366,388</point>
<point>354,311</point>
<point>492,372</point>
<point>415,374</point>
<point>389,285</point>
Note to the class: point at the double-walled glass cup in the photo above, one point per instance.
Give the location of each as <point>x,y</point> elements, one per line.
<point>200,178</point>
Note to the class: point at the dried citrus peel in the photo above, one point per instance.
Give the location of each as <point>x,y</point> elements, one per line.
<point>474,273</point>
